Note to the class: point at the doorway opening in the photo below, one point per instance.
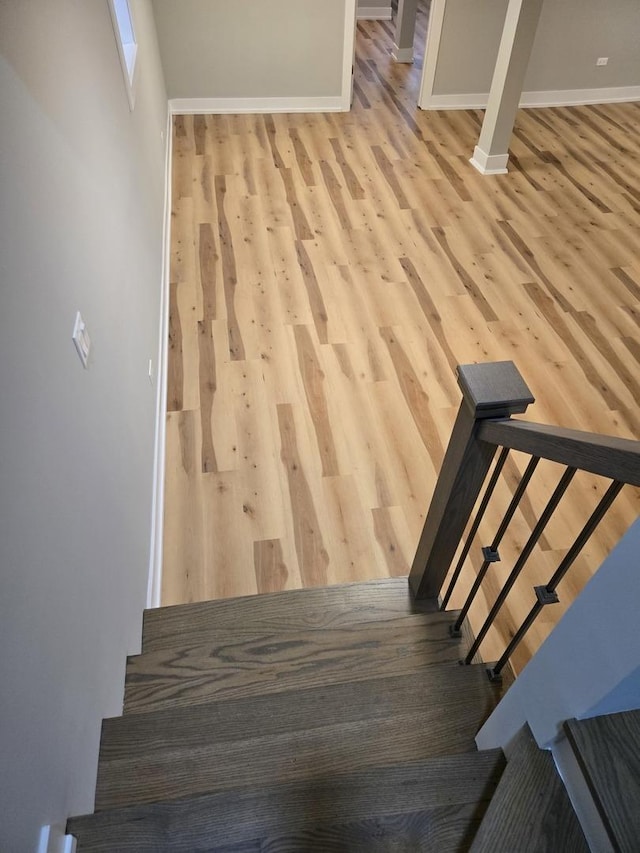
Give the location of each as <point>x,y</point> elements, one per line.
<point>378,75</point>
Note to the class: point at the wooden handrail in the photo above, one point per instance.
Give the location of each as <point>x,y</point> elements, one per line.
<point>491,393</point>
<point>493,390</point>
<point>606,455</point>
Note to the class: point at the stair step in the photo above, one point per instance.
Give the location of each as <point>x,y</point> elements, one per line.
<point>294,610</point>
<point>235,665</point>
<point>426,805</point>
<point>608,751</point>
<point>291,735</point>
<point>530,809</point>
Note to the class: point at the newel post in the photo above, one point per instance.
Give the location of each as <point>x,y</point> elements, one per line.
<point>492,390</point>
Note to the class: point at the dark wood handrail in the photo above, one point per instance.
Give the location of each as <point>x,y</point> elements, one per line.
<point>606,455</point>
<point>491,394</point>
<point>493,390</point>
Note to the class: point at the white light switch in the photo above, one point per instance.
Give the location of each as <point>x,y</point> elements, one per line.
<point>82,340</point>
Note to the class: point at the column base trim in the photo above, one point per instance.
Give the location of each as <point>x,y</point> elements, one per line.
<point>402,54</point>
<point>489,164</point>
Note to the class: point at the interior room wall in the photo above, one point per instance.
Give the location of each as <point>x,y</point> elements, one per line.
<point>81,224</point>
<point>571,35</point>
<point>254,49</point>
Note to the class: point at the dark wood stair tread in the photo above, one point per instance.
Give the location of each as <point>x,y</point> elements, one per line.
<point>336,606</point>
<point>234,665</point>
<point>440,798</point>
<point>453,686</point>
<point>530,809</point>
<point>292,735</point>
<point>608,751</point>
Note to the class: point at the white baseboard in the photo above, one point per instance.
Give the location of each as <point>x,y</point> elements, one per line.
<point>489,164</point>
<point>402,54</point>
<point>374,13</point>
<point>551,98</point>
<point>580,796</point>
<point>53,840</point>
<point>578,97</point>
<point>194,106</point>
<point>456,102</point>
<point>154,581</point>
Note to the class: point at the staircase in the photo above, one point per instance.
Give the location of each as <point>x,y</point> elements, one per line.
<point>607,749</point>
<point>333,719</point>
<point>338,719</point>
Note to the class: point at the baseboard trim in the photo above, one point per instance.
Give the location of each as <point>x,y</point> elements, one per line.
<point>374,13</point>
<point>53,840</point>
<point>455,102</point>
<point>579,97</point>
<point>581,797</point>
<point>224,106</point>
<point>489,164</point>
<point>154,580</point>
<point>402,54</point>
<point>551,98</point>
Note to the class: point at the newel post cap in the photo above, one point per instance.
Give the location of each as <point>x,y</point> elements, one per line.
<point>494,389</point>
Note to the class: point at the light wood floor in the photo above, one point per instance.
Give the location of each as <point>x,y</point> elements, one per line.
<point>329,272</point>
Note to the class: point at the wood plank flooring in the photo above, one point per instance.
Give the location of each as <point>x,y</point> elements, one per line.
<point>328,272</point>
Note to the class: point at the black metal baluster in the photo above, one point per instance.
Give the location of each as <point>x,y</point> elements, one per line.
<point>493,548</point>
<point>547,594</point>
<point>476,523</point>
<point>538,530</point>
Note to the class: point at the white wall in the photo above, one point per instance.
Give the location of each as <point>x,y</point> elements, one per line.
<point>81,217</point>
<point>571,35</point>
<point>588,664</point>
<point>254,49</point>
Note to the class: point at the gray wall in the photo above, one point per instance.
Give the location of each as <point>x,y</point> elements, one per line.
<point>571,35</point>
<point>81,215</point>
<point>588,665</point>
<point>382,5</point>
<point>625,696</point>
<point>253,49</point>
<point>468,46</point>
